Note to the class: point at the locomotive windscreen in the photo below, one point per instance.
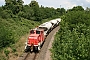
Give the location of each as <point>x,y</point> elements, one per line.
<point>37,32</point>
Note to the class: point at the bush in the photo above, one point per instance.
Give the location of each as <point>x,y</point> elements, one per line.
<point>6,37</point>
<point>6,14</point>
<point>14,50</point>
<point>72,42</point>
<point>6,52</point>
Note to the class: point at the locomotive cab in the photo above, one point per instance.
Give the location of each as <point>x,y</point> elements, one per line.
<point>35,40</point>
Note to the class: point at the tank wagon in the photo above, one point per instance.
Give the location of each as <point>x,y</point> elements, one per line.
<point>37,36</point>
<point>54,23</point>
<point>47,27</point>
<point>58,21</point>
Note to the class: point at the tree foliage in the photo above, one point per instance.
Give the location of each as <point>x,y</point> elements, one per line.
<point>6,37</point>
<point>31,11</point>
<point>73,39</point>
<point>14,5</point>
<point>77,8</point>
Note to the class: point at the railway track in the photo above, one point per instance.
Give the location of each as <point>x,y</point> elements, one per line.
<point>28,56</point>
<point>42,53</point>
<point>31,56</point>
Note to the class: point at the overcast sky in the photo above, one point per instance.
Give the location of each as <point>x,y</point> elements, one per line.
<point>58,3</point>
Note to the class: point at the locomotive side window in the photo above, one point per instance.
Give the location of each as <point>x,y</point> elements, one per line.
<point>37,32</point>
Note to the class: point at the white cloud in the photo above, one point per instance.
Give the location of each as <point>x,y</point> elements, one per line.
<point>27,1</point>
<point>68,5</point>
<point>63,3</point>
<point>88,1</point>
<point>57,3</point>
<point>2,2</point>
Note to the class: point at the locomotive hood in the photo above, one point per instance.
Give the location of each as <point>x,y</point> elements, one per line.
<point>33,36</point>
<point>33,39</point>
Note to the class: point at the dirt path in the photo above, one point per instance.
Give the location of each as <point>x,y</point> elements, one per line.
<point>48,53</point>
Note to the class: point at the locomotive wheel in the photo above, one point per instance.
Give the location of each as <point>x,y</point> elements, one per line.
<point>35,49</point>
<point>27,49</point>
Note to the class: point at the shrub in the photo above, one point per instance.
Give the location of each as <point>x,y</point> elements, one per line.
<point>6,37</point>
<point>6,52</point>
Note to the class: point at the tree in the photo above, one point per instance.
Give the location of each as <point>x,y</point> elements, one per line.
<point>58,9</point>
<point>8,2</point>
<point>34,4</point>
<point>62,11</point>
<point>20,2</point>
<point>14,5</point>
<point>27,12</point>
<point>77,8</point>
<point>37,15</point>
